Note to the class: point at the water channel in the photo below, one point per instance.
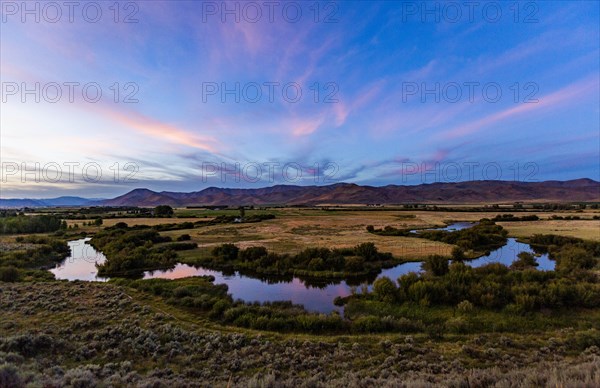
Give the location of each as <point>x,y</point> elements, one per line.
<point>316,296</point>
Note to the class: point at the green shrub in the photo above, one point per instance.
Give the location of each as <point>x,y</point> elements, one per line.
<point>226,251</point>
<point>9,274</point>
<point>458,325</point>
<point>525,260</point>
<point>253,253</point>
<point>385,290</point>
<point>29,224</point>
<point>465,306</point>
<point>367,250</point>
<point>219,308</point>
<point>9,377</point>
<point>458,254</point>
<point>368,324</point>
<point>435,265</point>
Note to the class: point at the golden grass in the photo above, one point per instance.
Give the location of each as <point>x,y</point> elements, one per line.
<point>588,230</point>
<point>148,221</point>
<point>296,228</point>
<point>130,222</point>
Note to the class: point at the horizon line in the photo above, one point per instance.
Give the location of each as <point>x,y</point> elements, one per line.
<point>289,185</point>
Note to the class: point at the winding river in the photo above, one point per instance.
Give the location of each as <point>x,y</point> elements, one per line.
<point>81,264</point>
<point>318,297</point>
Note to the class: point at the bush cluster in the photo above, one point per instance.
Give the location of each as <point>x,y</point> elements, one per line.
<point>510,218</point>
<point>29,224</point>
<point>494,286</point>
<point>571,254</point>
<point>363,259</point>
<point>33,252</point>
<point>130,252</point>
<point>484,236</point>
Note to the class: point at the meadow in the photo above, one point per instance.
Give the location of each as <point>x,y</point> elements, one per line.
<point>496,326</point>
<point>294,229</point>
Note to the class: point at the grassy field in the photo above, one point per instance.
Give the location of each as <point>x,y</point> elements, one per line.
<point>140,221</point>
<point>587,230</point>
<point>295,228</point>
<point>58,333</point>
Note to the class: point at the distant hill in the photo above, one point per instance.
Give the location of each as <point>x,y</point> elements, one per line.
<point>49,202</point>
<point>348,193</point>
<point>343,193</point>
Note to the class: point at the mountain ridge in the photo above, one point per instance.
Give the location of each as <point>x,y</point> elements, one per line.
<point>583,189</point>
<point>66,200</point>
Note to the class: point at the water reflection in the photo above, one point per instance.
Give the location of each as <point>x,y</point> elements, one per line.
<point>81,263</point>
<point>450,227</point>
<point>316,295</point>
<point>508,253</point>
<point>456,226</point>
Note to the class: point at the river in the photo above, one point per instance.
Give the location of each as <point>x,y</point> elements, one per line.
<point>318,297</point>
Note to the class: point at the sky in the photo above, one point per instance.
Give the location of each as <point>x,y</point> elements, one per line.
<point>98,98</point>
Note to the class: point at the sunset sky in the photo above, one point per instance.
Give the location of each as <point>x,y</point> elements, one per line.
<point>362,116</point>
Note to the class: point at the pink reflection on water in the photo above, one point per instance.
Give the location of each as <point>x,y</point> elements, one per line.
<point>81,263</point>
<point>249,289</point>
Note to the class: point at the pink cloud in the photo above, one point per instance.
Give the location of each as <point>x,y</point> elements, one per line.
<point>368,94</point>
<point>304,127</point>
<point>561,97</point>
<point>341,113</point>
<point>255,37</point>
<point>155,128</point>
<point>342,109</point>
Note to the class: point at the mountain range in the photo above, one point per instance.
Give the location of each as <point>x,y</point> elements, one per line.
<point>346,193</point>
<point>48,202</point>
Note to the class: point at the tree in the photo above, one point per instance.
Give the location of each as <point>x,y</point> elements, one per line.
<point>226,251</point>
<point>98,221</point>
<point>29,224</point>
<point>253,253</point>
<point>335,262</point>
<point>316,264</point>
<point>367,250</point>
<point>385,289</point>
<point>163,211</point>
<point>355,264</point>
<point>458,254</point>
<point>242,212</point>
<point>572,257</point>
<point>435,265</point>
<point>525,260</point>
